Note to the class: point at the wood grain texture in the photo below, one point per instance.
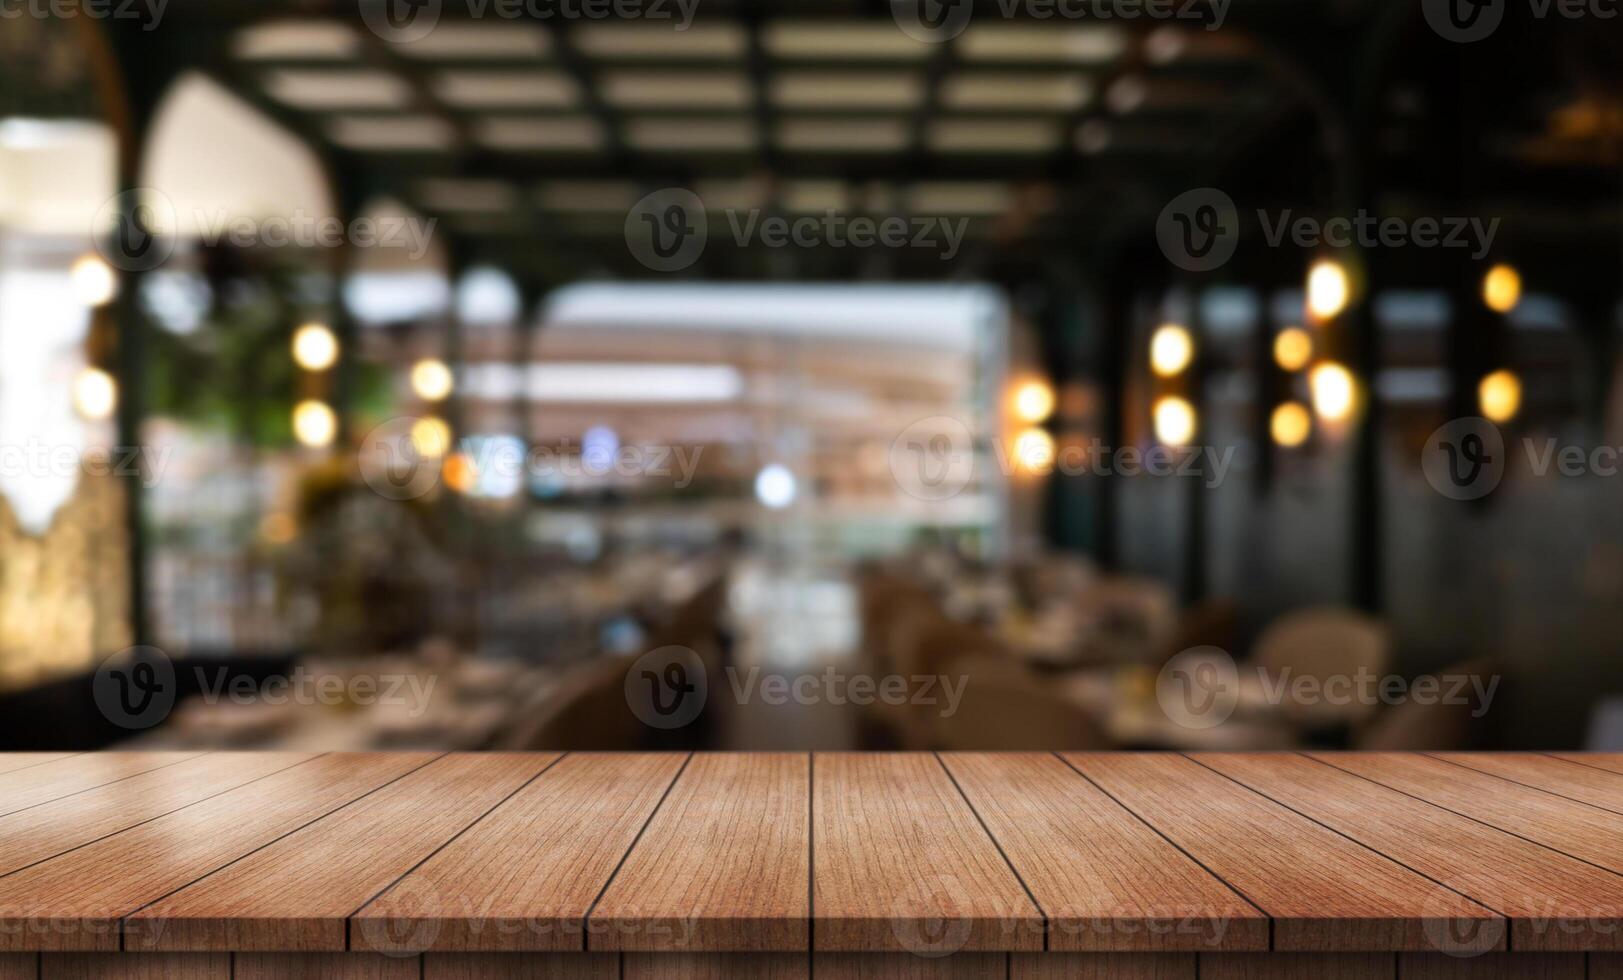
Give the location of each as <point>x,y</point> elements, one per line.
<point>1298,966</point>
<point>521,966</point>
<point>717,966</point>
<point>1494,966</point>
<point>323,966</point>
<point>117,966</point>
<point>1609,761</point>
<point>297,893</point>
<point>75,901</point>
<point>1324,892</point>
<point>1578,829</point>
<point>49,829</point>
<point>900,863</point>
<point>1605,966</point>
<point>1553,902</point>
<point>12,761</point>
<point>1585,784</point>
<point>1105,880</point>
<point>905,966</point>
<point>524,878</point>
<point>723,866</point>
<point>33,785</point>
<point>19,966</point>
<point>1102,966</point>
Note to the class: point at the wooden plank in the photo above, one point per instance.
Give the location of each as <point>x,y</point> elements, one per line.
<point>900,863</point>
<point>75,901</point>
<point>297,894</point>
<point>23,788</point>
<point>1585,784</point>
<point>717,966</point>
<point>906,966</point>
<point>1578,829</point>
<point>1102,966</point>
<point>1105,880</point>
<point>1609,761</point>
<point>116,966</point>
<point>1494,966</point>
<point>521,966</point>
<point>51,828</point>
<point>1606,966</point>
<point>322,966</point>
<point>19,966</point>
<point>1298,966</point>
<point>524,878</point>
<point>724,865</point>
<point>1554,902</point>
<point>1324,892</point>
<point>12,761</point>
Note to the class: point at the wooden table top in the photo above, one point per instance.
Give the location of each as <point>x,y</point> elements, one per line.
<point>774,852</point>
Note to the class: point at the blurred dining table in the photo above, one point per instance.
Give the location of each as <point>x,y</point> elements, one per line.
<point>1124,703</point>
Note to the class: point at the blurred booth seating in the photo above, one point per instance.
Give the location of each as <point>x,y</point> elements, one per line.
<point>1427,724</point>
<point>1006,708</point>
<point>1324,644</point>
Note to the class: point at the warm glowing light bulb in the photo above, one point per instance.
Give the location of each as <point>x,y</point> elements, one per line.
<point>1293,348</point>
<point>1502,288</point>
<point>431,379</point>
<point>1174,421</point>
<point>431,437</point>
<point>460,473</point>
<point>93,280</point>
<point>314,423</point>
<point>315,347</point>
<point>1033,401</point>
<point>1171,349</point>
<point>1334,391</point>
<point>1033,450</point>
<point>1290,425</point>
<point>95,394</point>
<point>1500,395</point>
<point>1327,289</point>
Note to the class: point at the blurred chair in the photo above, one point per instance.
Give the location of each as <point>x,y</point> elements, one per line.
<point>1412,725</point>
<point>588,711</point>
<point>1006,708</point>
<point>1207,623</point>
<point>1324,644</point>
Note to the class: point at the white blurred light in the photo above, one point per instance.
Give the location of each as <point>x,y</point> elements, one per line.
<point>1126,94</point>
<point>1171,349</point>
<point>315,347</point>
<point>775,486</point>
<point>1174,421</point>
<point>314,423</point>
<point>487,296</point>
<point>94,283</point>
<point>1334,391</point>
<point>95,394</point>
<point>583,381</point>
<point>431,379</point>
<point>1328,289</point>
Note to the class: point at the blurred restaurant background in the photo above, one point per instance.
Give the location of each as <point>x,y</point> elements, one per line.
<point>551,375</point>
